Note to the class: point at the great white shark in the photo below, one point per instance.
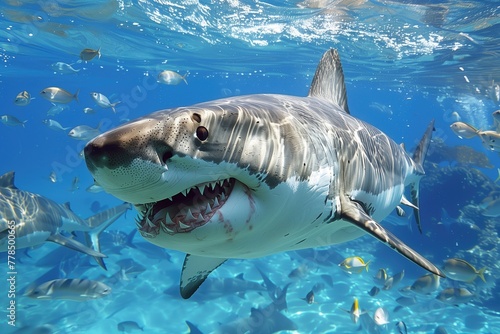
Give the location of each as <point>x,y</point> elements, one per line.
<point>29,220</point>
<point>249,176</point>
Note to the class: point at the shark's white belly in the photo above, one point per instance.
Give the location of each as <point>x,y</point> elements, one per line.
<point>299,219</point>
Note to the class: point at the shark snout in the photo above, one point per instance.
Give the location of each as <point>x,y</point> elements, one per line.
<point>102,152</point>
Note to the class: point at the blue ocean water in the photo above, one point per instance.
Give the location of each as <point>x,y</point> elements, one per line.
<point>405,63</point>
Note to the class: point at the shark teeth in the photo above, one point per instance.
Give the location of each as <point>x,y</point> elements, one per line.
<point>182,213</point>
<point>184,226</point>
<point>201,188</point>
<point>189,215</point>
<point>208,209</point>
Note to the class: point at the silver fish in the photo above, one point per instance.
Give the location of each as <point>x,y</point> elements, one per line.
<point>490,139</point>
<point>53,177</point>
<point>464,130</point>
<point>171,78</point>
<point>426,284</point>
<point>75,185</point>
<point>58,95</point>
<point>381,316</point>
<point>64,68</point>
<point>56,109</point>
<point>455,296</point>
<point>83,132</point>
<point>102,101</point>
<point>23,99</point>
<point>54,125</point>
<point>69,289</point>
<point>11,120</point>
<point>88,110</point>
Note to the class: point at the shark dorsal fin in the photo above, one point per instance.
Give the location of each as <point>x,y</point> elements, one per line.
<point>328,82</point>
<point>7,180</point>
<point>67,206</point>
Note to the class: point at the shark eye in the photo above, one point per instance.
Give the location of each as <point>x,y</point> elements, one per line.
<point>202,133</point>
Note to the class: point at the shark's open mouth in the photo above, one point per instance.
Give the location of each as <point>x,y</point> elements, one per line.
<point>185,211</point>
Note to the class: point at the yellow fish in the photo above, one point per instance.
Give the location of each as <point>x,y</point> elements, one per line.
<point>354,264</point>
<point>354,311</point>
<point>461,270</point>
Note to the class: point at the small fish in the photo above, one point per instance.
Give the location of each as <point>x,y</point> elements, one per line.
<point>400,211</point>
<point>381,316</point>
<point>490,140</point>
<point>456,116</point>
<point>461,270</point>
<point>63,68</point>
<point>491,209</point>
<point>53,177</point>
<point>406,291</point>
<point>88,110</point>
<point>129,327</point>
<point>75,185</point>
<point>426,284</point>
<point>56,109</point>
<point>54,125</point>
<point>354,264</point>
<point>299,272</point>
<point>393,280</point>
<point>171,78</point>
<point>70,289</point>
<point>380,277</point>
<point>84,132</point>
<point>498,177</point>
<point>496,115</point>
<point>455,296</point>
<point>102,101</point>
<point>440,330</point>
<point>464,130</point>
<point>406,301</point>
<point>59,95</point>
<point>94,188</point>
<point>23,99</point>
<point>309,297</point>
<point>354,312</point>
<point>11,120</point>
<point>89,54</point>
<point>374,291</point>
<point>401,327</point>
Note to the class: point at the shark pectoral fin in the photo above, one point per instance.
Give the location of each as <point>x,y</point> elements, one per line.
<point>418,159</point>
<point>73,244</point>
<point>354,213</point>
<point>406,202</point>
<point>194,272</point>
<point>98,223</point>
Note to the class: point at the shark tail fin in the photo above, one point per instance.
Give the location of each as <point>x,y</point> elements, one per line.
<point>98,223</point>
<point>418,159</point>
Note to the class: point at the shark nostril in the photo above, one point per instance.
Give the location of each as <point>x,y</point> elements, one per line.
<point>166,156</point>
